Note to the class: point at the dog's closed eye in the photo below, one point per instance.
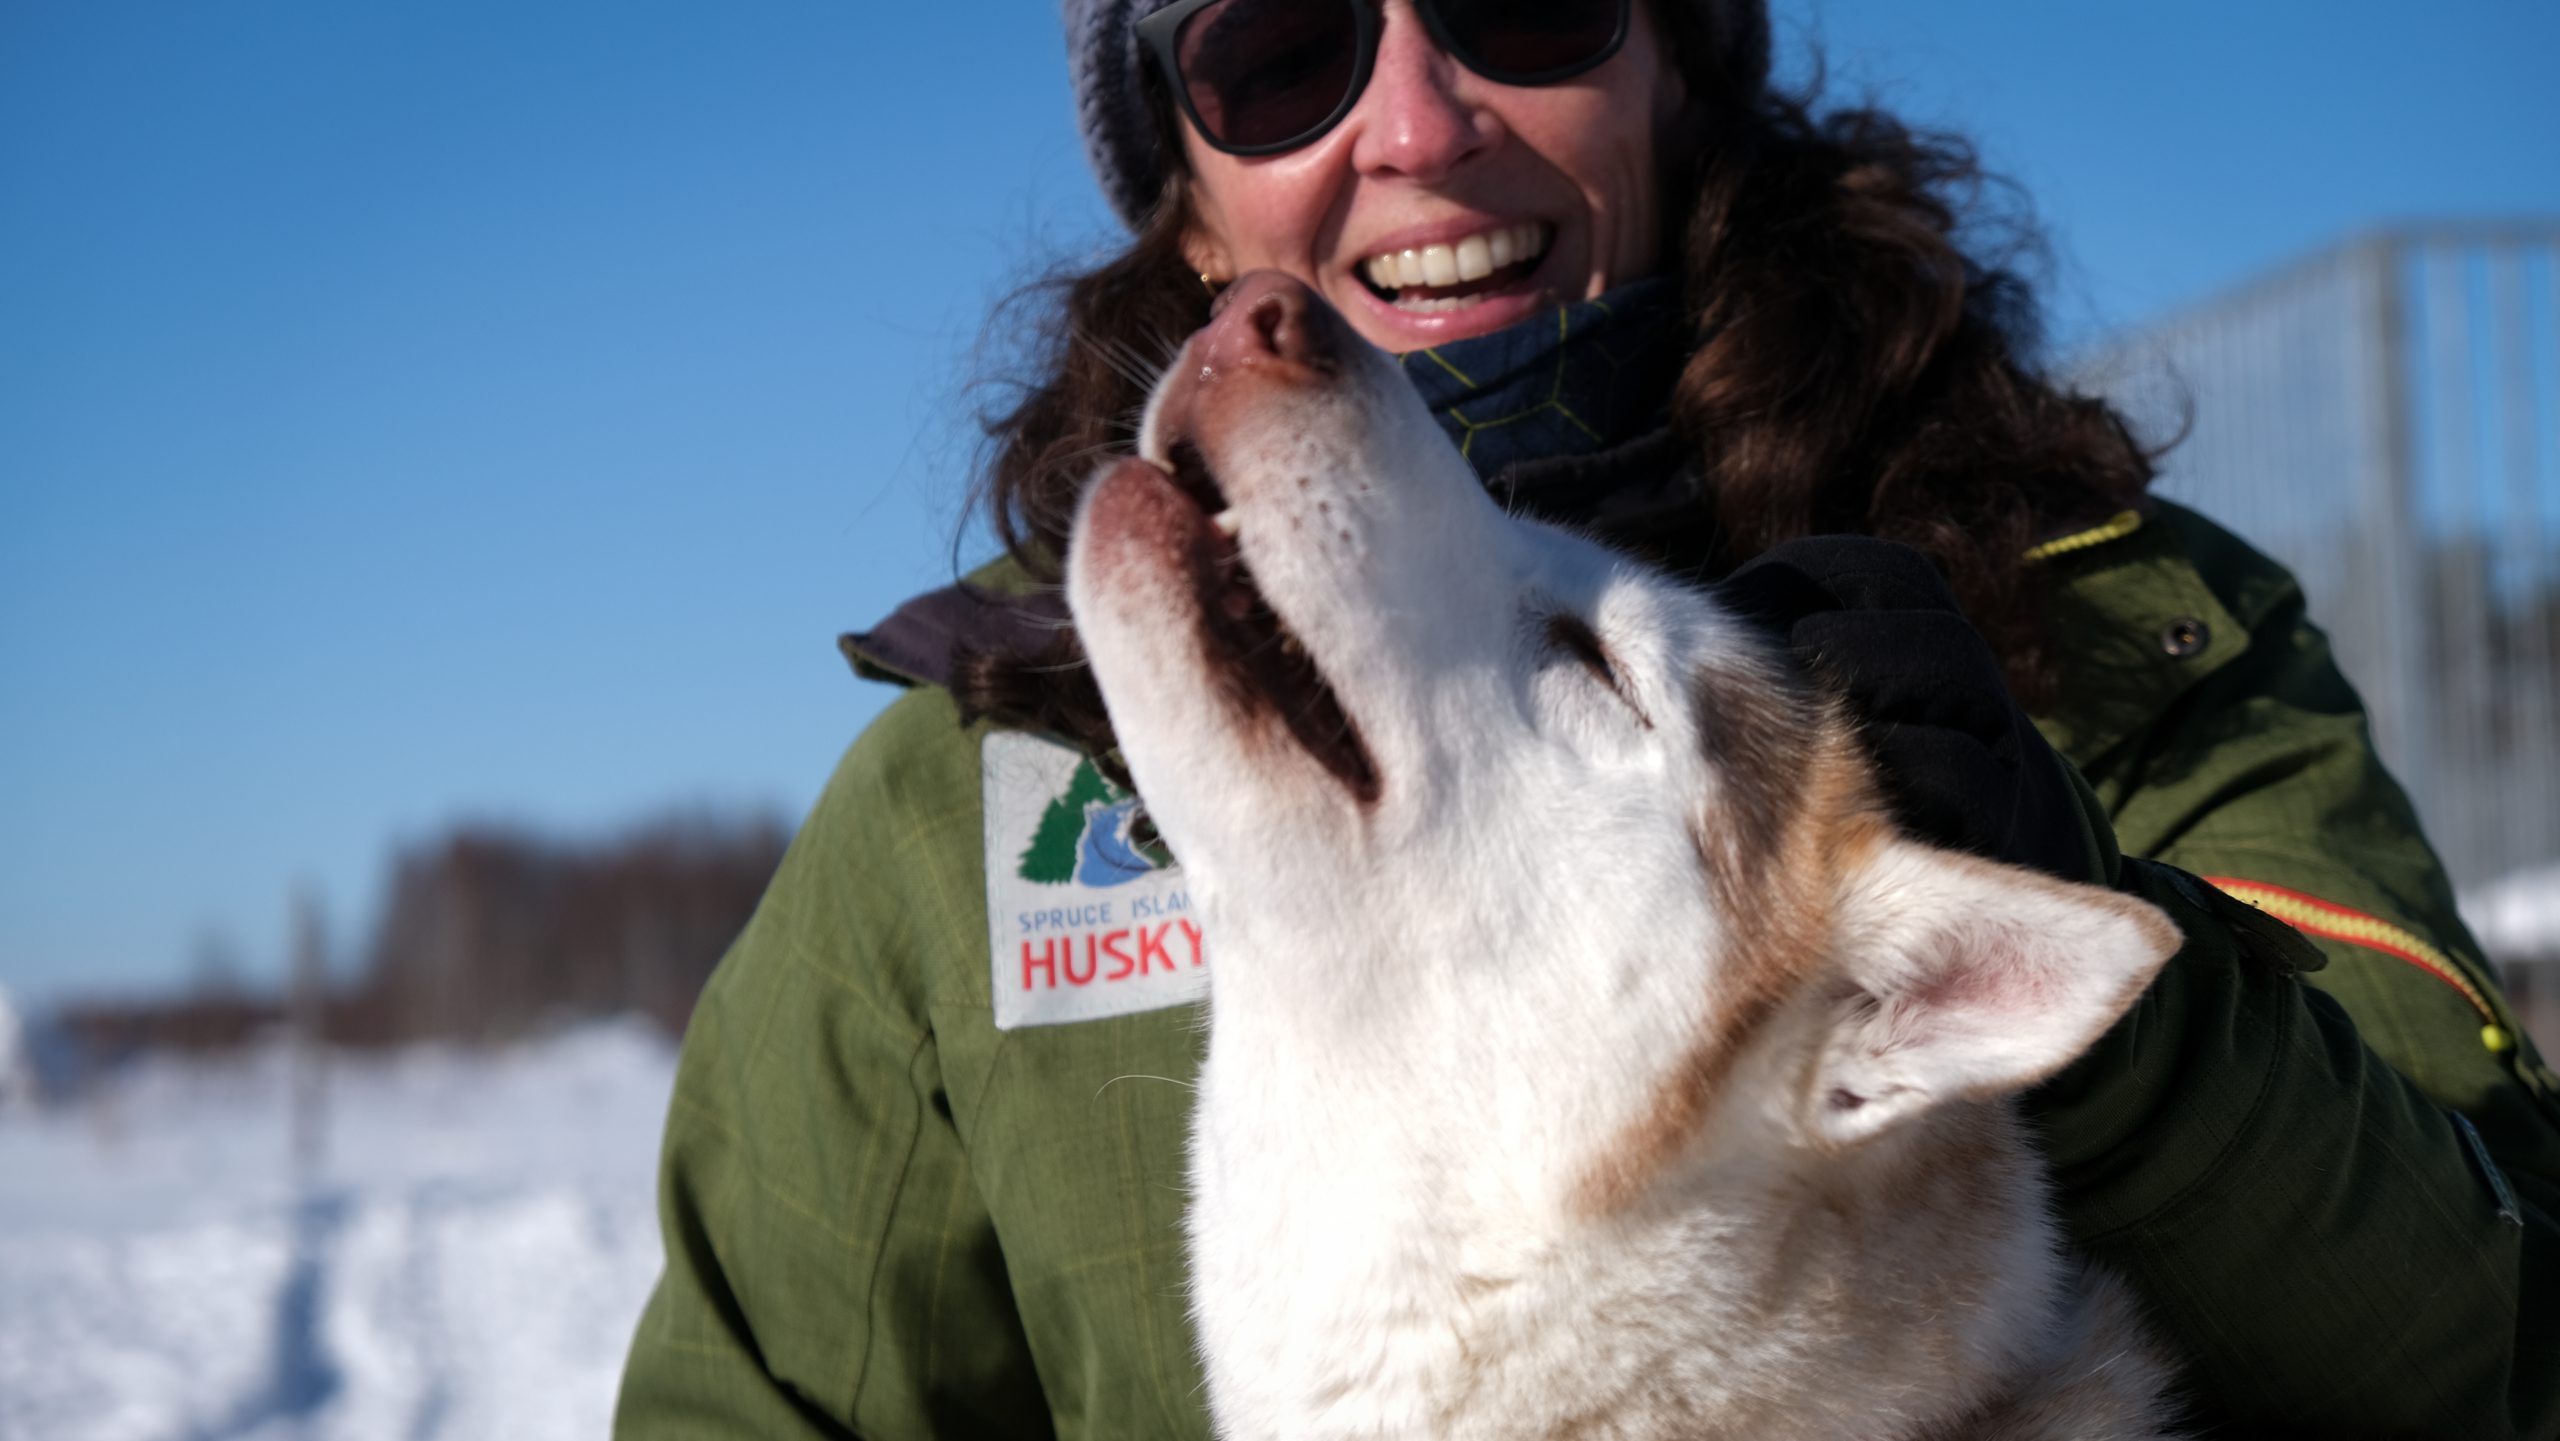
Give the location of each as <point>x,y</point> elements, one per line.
<point>1572,636</point>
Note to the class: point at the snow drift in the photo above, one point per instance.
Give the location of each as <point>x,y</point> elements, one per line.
<point>467,1261</point>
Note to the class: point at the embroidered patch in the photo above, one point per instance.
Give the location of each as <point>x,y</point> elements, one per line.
<point>1081,922</point>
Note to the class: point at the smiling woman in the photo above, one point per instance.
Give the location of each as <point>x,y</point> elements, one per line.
<point>1440,204</point>
<point>916,1188</point>
<point>1811,263</point>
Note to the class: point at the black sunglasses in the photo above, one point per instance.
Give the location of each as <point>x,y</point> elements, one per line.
<point>1261,76</point>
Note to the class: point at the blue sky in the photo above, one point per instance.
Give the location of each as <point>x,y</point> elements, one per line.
<point>476,410</point>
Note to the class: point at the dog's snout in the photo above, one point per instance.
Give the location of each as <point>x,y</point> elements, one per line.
<point>1268,316</point>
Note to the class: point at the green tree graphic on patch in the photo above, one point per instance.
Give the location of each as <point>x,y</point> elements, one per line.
<point>1055,846</point>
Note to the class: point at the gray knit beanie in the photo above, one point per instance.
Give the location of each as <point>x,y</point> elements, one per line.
<point>1105,56</point>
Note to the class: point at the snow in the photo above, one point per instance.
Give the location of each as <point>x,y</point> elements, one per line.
<point>467,1261</point>
<point>2518,918</point>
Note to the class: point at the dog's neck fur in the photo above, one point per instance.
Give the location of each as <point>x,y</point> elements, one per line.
<point>1909,1287</point>
<point>1482,1206</point>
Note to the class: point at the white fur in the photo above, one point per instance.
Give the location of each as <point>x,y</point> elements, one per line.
<point>1432,1017</point>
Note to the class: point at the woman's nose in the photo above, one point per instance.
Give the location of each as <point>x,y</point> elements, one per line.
<point>1416,118</point>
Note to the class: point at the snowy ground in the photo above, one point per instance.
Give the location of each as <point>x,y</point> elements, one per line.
<point>466,1262</point>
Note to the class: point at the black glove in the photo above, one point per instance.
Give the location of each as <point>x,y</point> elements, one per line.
<point>1961,764</point>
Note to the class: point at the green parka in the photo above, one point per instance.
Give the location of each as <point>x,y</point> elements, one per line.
<point>2336,1185</point>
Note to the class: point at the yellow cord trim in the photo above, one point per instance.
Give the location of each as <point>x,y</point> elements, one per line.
<point>2313,916</point>
<point>2124,523</point>
<point>1443,362</point>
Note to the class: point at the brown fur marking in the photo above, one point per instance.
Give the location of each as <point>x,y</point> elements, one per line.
<point>1796,810</point>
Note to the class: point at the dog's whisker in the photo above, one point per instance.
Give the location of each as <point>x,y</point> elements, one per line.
<point>1138,361</point>
<point>1124,362</point>
<point>1141,1076</point>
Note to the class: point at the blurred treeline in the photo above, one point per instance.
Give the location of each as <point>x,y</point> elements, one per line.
<point>486,934</point>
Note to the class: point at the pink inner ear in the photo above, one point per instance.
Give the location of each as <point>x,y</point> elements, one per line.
<point>1978,980</point>
<point>1982,981</point>
<point>1986,971</point>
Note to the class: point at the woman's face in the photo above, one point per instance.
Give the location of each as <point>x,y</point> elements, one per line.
<point>1437,173</point>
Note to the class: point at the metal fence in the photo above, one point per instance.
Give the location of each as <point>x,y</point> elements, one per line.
<point>2385,419</point>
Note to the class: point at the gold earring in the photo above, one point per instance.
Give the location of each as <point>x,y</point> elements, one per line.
<point>1213,286</point>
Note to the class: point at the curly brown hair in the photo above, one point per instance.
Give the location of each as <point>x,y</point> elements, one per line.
<point>1866,363</point>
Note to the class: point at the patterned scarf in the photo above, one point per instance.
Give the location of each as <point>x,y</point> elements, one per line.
<point>1585,377</point>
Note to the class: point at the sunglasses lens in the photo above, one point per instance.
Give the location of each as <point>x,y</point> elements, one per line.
<point>1267,72</point>
<point>1542,39</point>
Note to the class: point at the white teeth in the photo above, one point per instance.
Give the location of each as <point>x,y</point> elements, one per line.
<point>1226,523</point>
<point>1472,258</point>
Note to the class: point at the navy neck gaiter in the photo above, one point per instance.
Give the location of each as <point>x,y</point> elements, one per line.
<point>1581,378</point>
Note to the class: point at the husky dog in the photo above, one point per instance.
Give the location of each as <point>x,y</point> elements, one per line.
<point>1588,1055</point>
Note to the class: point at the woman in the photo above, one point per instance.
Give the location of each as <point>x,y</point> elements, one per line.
<point>1647,295</point>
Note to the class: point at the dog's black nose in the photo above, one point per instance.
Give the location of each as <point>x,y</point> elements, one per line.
<point>1268,316</point>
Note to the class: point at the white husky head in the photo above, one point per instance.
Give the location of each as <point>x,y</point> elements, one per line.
<point>1400,739</point>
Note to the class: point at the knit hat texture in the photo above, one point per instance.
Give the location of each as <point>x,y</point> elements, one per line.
<point>1105,59</point>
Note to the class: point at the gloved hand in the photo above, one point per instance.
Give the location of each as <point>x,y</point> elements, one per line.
<point>1961,764</point>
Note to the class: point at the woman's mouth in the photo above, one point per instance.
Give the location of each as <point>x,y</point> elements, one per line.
<point>1435,279</point>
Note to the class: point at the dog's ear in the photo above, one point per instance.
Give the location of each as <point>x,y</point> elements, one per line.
<point>1962,978</point>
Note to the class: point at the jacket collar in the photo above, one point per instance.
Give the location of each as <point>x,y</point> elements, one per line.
<point>996,611</point>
